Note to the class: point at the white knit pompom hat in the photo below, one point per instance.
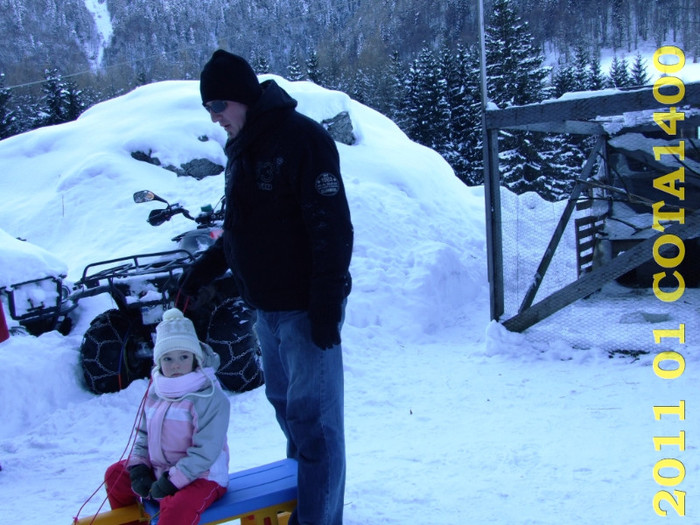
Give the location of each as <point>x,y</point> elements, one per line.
<point>176,332</point>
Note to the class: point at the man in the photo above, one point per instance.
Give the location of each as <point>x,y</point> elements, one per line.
<point>288,241</point>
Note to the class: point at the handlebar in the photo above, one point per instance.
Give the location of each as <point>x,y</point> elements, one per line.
<point>157,217</point>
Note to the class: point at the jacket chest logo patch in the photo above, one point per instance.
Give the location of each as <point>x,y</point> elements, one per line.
<point>327,184</point>
<point>266,172</point>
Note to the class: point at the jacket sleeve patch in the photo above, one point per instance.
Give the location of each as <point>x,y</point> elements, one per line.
<point>327,185</point>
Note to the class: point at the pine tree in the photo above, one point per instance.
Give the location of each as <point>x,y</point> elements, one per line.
<point>53,90</point>
<point>427,106</point>
<point>62,100</point>
<point>473,146</point>
<point>514,64</point>
<point>396,96</point>
<point>260,65</point>
<point>620,22</point>
<point>74,101</point>
<point>619,76</point>
<point>564,80</point>
<point>517,76</point>
<point>449,77</point>
<point>581,68</point>
<point>562,157</point>
<point>313,69</point>
<point>638,73</point>
<point>595,80</point>
<point>466,157</point>
<point>7,117</point>
<point>294,71</point>
<point>362,87</point>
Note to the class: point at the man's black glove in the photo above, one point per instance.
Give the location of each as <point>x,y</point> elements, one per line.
<point>192,279</point>
<point>141,479</point>
<point>325,325</point>
<point>210,265</point>
<point>163,487</point>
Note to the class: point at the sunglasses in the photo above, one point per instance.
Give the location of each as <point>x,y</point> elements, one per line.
<point>216,106</point>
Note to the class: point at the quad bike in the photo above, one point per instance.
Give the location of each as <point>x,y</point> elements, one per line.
<point>117,348</point>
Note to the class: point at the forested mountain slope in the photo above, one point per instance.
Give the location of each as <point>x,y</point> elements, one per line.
<point>158,39</point>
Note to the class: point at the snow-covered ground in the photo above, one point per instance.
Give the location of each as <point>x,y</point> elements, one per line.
<point>449,417</point>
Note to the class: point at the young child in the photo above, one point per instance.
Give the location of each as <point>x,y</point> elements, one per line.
<point>181,454</point>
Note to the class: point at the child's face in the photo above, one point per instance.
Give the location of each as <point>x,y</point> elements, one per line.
<point>177,363</point>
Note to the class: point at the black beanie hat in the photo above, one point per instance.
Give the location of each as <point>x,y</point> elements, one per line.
<point>229,77</point>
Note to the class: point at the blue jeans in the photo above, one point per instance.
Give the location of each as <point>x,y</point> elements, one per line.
<point>305,386</point>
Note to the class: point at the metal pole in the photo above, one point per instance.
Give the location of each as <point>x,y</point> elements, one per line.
<point>482,55</point>
<point>492,195</point>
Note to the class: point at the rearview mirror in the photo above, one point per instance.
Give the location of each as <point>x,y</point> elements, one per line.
<point>147,196</point>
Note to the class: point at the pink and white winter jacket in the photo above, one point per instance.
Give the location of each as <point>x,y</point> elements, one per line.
<point>185,434</point>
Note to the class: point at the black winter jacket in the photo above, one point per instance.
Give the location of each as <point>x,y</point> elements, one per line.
<point>287,231</point>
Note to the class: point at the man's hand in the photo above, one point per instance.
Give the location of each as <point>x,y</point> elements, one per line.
<point>191,280</point>
<point>325,325</point>
<point>325,336</point>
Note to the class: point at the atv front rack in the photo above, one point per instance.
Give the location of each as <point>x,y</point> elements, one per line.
<point>44,304</point>
<point>43,298</point>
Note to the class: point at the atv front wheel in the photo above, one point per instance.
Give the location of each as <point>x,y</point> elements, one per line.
<point>108,353</point>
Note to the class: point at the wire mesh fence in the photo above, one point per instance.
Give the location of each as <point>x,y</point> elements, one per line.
<point>619,317</point>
